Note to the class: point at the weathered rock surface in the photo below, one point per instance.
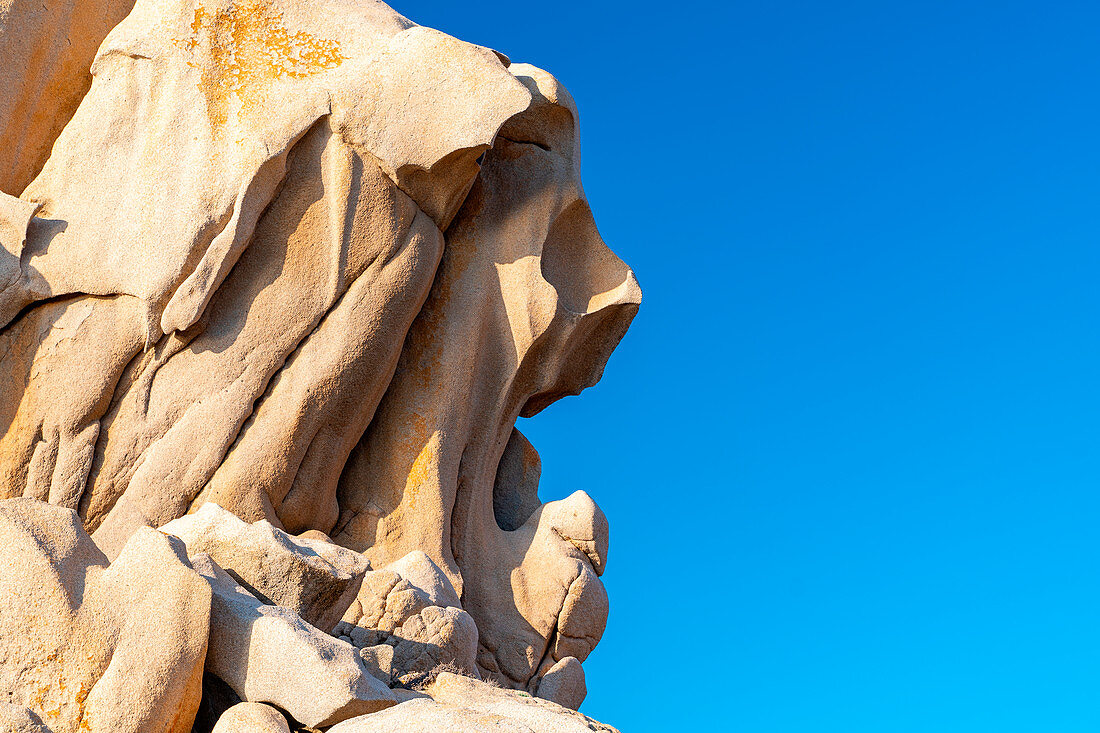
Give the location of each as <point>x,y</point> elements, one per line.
<point>308,261</point>
<point>90,647</point>
<point>411,607</point>
<point>298,225</point>
<point>18,719</point>
<point>47,49</point>
<point>526,277</point>
<point>563,683</point>
<point>314,578</point>
<point>459,703</point>
<point>269,654</point>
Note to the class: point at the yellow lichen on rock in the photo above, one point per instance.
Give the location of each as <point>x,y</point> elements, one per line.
<point>250,48</point>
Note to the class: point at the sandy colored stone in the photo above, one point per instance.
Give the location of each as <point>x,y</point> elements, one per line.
<point>18,719</point>
<point>269,654</point>
<point>421,715</point>
<point>437,635</point>
<point>251,717</point>
<point>392,595</point>
<point>46,50</point>
<point>459,703</point>
<point>420,572</point>
<point>91,647</point>
<point>310,261</point>
<point>314,578</point>
<point>410,607</point>
<point>563,683</point>
<point>298,217</point>
<point>378,660</point>
<point>527,278</point>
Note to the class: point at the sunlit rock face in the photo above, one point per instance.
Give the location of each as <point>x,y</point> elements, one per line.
<point>308,261</point>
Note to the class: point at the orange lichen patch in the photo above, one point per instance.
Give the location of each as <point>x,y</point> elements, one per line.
<point>415,448</point>
<point>420,474</point>
<point>81,696</point>
<point>245,47</point>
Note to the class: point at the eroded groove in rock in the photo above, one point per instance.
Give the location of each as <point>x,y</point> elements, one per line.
<point>432,454</point>
<point>61,375</point>
<point>321,401</point>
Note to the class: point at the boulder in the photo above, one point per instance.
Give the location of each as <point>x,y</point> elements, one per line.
<point>563,683</point>
<point>252,717</point>
<point>312,577</point>
<point>538,714</point>
<point>423,574</point>
<point>91,647</point>
<point>526,307</point>
<point>296,179</point>
<point>269,654</point>
<point>417,716</point>
<point>412,607</point>
<point>308,261</point>
<point>457,703</point>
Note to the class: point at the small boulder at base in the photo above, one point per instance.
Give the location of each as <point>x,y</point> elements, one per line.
<point>95,648</point>
<point>251,717</point>
<point>411,606</point>
<point>564,683</point>
<point>313,577</point>
<point>458,703</point>
<point>269,654</point>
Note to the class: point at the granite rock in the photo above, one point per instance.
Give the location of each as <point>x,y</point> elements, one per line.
<point>456,703</point>
<point>411,607</point>
<point>268,654</point>
<point>316,579</point>
<point>280,277</point>
<point>91,647</point>
<point>251,717</point>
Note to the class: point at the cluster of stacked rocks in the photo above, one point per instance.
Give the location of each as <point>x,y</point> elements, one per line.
<point>214,624</point>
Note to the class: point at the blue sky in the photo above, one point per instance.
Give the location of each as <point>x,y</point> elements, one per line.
<point>849,448</point>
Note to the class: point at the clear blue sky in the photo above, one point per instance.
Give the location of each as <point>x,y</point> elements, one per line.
<point>849,449</point>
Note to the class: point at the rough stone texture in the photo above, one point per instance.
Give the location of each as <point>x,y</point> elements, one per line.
<point>418,716</point>
<point>269,654</point>
<point>316,579</point>
<point>91,647</point>
<point>46,49</point>
<point>308,261</point>
<point>526,277</point>
<point>458,703</point>
<point>418,570</point>
<point>563,683</point>
<point>252,717</point>
<point>411,607</point>
<point>18,719</point>
<point>316,155</point>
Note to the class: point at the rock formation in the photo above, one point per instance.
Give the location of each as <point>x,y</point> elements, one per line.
<point>277,279</point>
